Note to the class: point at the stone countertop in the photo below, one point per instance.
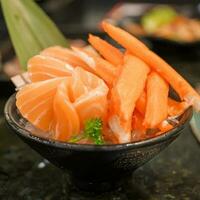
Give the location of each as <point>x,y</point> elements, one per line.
<point>173,174</point>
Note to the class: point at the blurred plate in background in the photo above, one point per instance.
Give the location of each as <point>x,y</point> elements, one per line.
<point>182,30</point>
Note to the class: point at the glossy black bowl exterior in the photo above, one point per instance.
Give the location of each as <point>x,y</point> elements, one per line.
<point>93,167</point>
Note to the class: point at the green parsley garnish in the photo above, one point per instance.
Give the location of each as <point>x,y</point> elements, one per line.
<point>92,130</point>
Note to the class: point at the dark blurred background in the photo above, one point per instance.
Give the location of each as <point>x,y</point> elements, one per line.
<point>76,17</point>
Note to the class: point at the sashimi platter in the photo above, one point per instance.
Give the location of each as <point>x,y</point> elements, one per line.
<point>103,94</point>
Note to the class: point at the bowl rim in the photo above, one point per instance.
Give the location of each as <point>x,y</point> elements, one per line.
<point>88,147</point>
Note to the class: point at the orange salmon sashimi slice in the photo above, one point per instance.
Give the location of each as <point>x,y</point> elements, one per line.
<point>35,102</point>
<point>124,95</point>
<point>89,49</point>
<point>79,98</point>
<point>89,94</point>
<point>98,65</point>
<point>44,67</point>
<point>67,123</point>
<point>64,54</point>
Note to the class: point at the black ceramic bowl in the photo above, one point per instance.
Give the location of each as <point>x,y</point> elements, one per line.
<point>94,167</point>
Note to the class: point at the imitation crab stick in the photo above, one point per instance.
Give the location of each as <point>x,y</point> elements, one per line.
<point>44,67</point>
<point>164,126</point>
<point>141,103</point>
<point>181,86</point>
<point>64,54</point>
<point>157,98</point>
<point>176,108</point>
<point>109,52</point>
<point>98,65</point>
<point>35,102</point>
<point>138,129</point>
<point>125,93</point>
<point>67,123</point>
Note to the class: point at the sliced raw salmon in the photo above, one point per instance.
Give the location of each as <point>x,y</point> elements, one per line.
<point>98,65</point>
<point>35,102</point>
<point>67,123</point>
<point>125,93</point>
<point>66,55</point>
<point>89,94</point>
<point>63,105</point>
<point>89,49</point>
<point>78,99</point>
<point>44,67</point>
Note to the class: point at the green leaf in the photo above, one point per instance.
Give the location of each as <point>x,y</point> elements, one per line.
<point>30,29</point>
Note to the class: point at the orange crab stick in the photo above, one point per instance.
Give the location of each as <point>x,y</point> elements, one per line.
<point>164,126</point>
<point>141,103</point>
<point>110,53</point>
<point>138,129</point>
<point>98,65</point>
<point>181,86</point>
<point>124,95</point>
<point>157,97</point>
<point>176,108</point>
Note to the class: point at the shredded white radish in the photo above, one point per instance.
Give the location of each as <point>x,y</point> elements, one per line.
<point>114,124</point>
